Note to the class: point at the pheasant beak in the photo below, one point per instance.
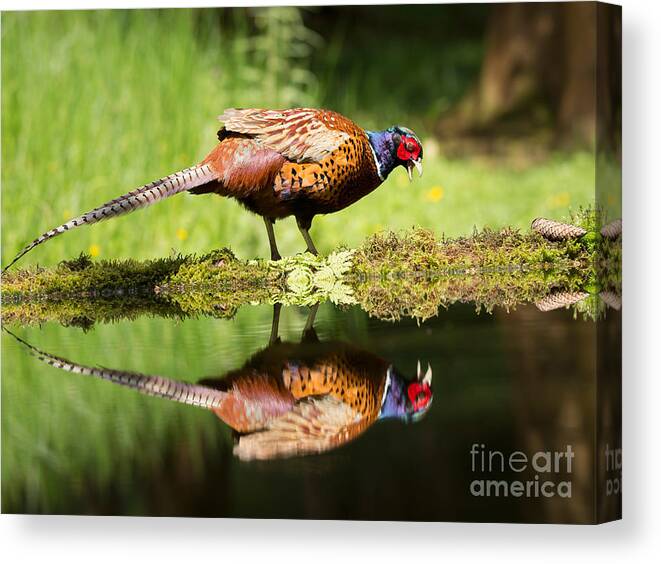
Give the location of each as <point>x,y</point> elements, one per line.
<point>426,377</point>
<point>409,168</point>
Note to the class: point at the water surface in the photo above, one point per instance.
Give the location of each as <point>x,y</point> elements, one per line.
<point>519,381</point>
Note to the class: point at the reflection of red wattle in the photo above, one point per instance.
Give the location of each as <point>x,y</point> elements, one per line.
<point>414,390</point>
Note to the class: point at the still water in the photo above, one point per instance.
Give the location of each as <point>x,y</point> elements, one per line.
<point>524,381</point>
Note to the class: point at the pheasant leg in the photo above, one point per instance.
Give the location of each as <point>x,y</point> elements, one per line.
<point>275,255</point>
<point>274,324</point>
<point>309,334</point>
<point>303,227</point>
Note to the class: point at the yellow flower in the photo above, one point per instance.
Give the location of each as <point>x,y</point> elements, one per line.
<point>66,215</point>
<point>435,194</point>
<point>95,250</point>
<point>182,234</point>
<point>560,200</point>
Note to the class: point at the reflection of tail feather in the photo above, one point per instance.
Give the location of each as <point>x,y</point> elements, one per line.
<point>611,299</point>
<point>556,230</point>
<point>560,299</point>
<point>612,230</point>
<point>156,386</point>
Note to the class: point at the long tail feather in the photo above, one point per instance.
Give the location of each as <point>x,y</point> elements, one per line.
<point>158,386</point>
<point>141,197</point>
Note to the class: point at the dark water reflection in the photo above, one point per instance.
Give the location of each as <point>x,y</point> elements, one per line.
<point>288,399</point>
<point>524,381</point>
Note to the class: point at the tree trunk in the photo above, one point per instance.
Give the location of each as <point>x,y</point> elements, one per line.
<point>540,60</point>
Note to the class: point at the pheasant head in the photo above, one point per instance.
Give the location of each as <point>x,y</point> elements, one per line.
<point>407,399</point>
<point>396,146</point>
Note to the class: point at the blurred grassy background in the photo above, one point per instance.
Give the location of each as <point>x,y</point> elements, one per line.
<point>97,103</point>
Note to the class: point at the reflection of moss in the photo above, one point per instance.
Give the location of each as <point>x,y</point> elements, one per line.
<point>609,265</point>
<point>85,312</point>
<point>390,275</point>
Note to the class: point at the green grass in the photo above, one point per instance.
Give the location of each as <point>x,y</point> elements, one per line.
<point>110,100</point>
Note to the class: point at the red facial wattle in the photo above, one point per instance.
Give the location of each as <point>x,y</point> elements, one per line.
<point>409,149</point>
<point>419,395</point>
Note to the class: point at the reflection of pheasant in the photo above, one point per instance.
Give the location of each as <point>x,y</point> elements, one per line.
<point>290,399</point>
<point>277,163</point>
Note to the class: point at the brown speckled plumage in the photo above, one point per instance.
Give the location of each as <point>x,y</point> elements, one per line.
<point>321,397</point>
<point>299,162</point>
<point>284,374</point>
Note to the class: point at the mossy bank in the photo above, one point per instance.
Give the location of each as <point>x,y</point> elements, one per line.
<point>390,275</point>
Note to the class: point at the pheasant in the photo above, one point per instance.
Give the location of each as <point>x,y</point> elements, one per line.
<point>290,399</point>
<point>278,163</point>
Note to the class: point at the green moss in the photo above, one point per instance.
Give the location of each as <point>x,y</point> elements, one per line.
<point>217,284</point>
<point>83,277</point>
<point>412,274</point>
<point>391,275</point>
<point>213,287</point>
<point>310,279</point>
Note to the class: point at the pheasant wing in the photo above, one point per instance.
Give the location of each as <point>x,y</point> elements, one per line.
<point>300,135</point>
<point>313,426</point>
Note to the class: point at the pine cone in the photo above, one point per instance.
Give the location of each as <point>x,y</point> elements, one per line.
<point>560,299</point>
<point>555,230</point>
<point>612,230</point>
<point>611,299</point>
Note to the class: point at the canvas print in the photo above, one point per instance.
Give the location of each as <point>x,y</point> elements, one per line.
<point>313,262</point>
